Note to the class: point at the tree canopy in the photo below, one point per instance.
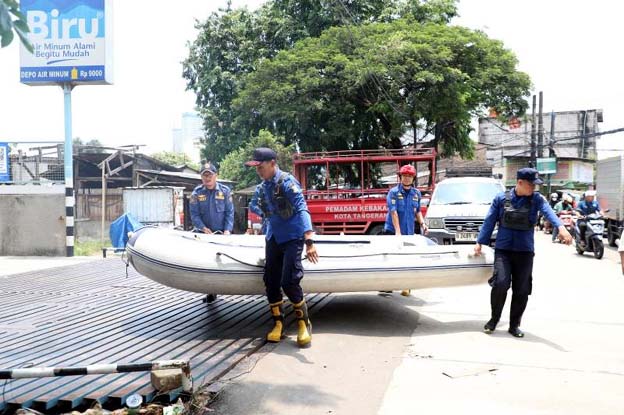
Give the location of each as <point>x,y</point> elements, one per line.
<point>233,165</point>
<point>233,43</point>
<point>175,159</point>
<point>362,86</point>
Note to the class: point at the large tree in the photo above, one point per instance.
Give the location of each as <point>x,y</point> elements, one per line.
<point>364,86</point>
<point>232,43</point>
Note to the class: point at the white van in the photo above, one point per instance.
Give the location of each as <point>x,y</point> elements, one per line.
<point>458,207</point>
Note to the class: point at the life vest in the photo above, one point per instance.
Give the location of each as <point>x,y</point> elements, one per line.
<point>283,206</point>
<point>516,218</point>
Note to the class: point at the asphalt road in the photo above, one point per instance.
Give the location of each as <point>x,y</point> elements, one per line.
<point>427,353</point>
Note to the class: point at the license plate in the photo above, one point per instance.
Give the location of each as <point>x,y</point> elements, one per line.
<point>466,236</point>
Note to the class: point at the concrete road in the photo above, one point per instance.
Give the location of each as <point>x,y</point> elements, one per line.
<point>427,353</point>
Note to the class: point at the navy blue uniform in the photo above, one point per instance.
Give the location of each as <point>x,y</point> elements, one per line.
<point>511,239</point>
<point>587,208</point>
<point>284,236</point>
<point>212,209</point>
<point>407,204</point>
<point>513,255</point>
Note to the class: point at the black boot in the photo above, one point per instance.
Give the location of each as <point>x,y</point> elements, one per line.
<point>515,331</point>
<point>497,302</point>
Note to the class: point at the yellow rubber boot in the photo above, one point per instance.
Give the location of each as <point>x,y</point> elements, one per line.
<point>275,335</point>
<point>406,293</point>
<point>304,327</point>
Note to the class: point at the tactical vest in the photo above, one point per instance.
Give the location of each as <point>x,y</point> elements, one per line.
<point>283,206</point>
<point>517,219</point>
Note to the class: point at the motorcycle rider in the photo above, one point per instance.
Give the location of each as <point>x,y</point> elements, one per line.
<point>566,204</point>
<point>588,206</point>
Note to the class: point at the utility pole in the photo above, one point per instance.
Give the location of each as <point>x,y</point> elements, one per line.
<point>540,127</point>
<point>532,162</point>
<point>551,143</point>
<point>551,149</point>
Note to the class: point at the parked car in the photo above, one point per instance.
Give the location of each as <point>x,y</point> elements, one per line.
<point>458,207</point>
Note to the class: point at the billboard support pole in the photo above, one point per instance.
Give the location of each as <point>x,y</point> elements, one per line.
<point>69,171</point>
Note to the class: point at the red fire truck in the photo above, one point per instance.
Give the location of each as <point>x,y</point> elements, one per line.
<point>346,190</point>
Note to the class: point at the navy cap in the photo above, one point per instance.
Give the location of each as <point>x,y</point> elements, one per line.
<point>530,175</point>
<point>208,167</point>
<point>261,154</point>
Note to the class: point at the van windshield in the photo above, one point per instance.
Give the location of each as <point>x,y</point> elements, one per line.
<point>465,193</point>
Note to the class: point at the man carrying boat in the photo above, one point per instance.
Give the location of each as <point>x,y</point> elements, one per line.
<point>212,210</point>
<point>403,207</point>
<point>280,202</point>
<point>515,211</point>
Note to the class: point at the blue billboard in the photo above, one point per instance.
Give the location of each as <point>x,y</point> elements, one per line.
<point>5,167</point>
<point>71,39</point>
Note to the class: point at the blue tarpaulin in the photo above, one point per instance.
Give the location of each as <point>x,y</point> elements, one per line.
<point>120,227</point>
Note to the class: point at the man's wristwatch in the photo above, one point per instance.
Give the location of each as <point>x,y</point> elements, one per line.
<point>309,242</point>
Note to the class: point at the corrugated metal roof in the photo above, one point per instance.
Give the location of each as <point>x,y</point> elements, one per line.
<point>92,313</point>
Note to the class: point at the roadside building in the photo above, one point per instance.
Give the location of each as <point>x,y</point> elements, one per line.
<point>567,135</point>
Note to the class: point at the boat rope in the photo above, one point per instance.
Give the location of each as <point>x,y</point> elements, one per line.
<point>386,253</point>
<point>195,238</point>
<point>239,261</point>
<point>126,260</point>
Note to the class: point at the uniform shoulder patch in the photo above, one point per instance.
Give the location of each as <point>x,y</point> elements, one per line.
<point>294,187</point>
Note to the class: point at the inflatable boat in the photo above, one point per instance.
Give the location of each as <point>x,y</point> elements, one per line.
<point>234,264</point>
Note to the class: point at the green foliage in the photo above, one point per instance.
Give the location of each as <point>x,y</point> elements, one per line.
<point>233,165</point>
<point>13,21</point>
<point>233,43</point>
<point>94,143</point>
<point>361,86</point>
<point>89,247</point>
<point>175,159</point>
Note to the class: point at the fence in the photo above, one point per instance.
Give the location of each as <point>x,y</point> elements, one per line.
<point>33,163</point>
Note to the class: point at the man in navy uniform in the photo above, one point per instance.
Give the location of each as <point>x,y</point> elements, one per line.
<point>278,199</point>
<point>515,211</point>
<point>211,204</point>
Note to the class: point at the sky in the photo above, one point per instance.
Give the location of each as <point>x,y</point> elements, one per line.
<point>569,49</point>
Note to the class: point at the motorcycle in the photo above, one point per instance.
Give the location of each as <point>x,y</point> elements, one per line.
<point>567,220</point>
<point>593,235</point>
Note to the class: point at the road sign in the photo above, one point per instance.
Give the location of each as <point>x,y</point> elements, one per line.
<point>547,165</point>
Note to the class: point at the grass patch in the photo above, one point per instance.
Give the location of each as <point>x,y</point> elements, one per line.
<point>89,247</point>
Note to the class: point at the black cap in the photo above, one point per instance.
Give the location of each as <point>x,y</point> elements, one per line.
<point>529,174</point>
<point>261,154</point>
<point>208,167</point>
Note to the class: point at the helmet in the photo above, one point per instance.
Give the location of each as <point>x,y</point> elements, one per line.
<point>590,193</point>
<point>407,170</point>
<point>554,196</point>
<point>568,198</point>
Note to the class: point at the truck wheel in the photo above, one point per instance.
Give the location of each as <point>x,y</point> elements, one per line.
<point>376,230</point>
